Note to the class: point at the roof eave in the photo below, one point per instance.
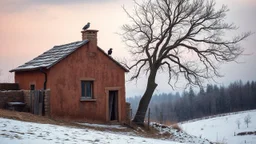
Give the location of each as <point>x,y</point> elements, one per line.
<point>26,69</point>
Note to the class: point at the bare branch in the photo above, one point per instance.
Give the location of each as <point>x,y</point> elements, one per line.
<point>162,31</point>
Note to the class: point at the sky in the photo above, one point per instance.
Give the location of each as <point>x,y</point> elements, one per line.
<point>30,27</point>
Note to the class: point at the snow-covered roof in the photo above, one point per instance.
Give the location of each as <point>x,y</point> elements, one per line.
<point>51,57</point>
<point>54,55</point>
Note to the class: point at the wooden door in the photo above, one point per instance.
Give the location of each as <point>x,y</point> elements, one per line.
<point>113,105</point>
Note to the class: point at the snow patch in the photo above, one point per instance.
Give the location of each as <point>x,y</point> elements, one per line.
<point>179,136</point>
<point>18,132</point>
<point>224,129</point>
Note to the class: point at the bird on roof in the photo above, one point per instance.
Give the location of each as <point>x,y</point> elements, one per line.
<point>86,26</point>
<point>110,51</point>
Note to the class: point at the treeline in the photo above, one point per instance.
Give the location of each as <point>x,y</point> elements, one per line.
<point>209,101</point>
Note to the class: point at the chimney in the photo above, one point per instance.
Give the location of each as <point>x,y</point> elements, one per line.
<point>91,35</point>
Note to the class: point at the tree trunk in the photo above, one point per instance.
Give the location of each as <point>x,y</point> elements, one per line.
<point>145,100</point>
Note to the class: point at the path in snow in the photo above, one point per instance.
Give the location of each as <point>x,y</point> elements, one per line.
<point>103,126</point>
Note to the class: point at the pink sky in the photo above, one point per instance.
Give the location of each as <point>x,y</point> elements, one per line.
<point>30,27</point>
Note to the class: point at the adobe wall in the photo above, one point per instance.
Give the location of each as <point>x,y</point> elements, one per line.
<point>25,79</point>
<point>65,83</point>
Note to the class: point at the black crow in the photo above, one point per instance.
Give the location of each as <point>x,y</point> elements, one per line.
<point>86,26</point>
<point>110,51</point>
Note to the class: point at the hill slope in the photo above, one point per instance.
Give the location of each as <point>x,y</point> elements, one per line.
<point>18,132</point>
<point>224,129</point>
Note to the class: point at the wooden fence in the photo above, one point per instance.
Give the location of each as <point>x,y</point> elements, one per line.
<point>37,102</point>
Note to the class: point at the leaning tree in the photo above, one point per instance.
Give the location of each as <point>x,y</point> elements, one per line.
<point>185,38</point>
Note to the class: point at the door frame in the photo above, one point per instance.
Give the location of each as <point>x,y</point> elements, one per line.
<point>107,89</point>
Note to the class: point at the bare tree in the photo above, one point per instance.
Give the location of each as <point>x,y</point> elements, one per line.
<point>9,78</point>
<point>184,38</point>
<point>238,123</point>
<point>247,120</point>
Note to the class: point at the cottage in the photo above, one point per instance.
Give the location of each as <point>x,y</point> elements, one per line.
<point>84,81</point>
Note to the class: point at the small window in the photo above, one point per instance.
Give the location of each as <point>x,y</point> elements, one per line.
<point>32,87</point>
<point>87,89</point>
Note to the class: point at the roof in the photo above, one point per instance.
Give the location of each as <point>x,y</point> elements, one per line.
<point>56,54</point>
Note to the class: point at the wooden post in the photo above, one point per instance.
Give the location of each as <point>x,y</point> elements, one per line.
<point>130,116</point>
<point>31,107</point>
<point>161,117</point>
<point>148,118</point>
<point>40,104</point>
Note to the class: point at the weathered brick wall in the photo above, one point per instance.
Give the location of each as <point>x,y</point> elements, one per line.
<point>9,86</point>
<point>10,96</point>
<point>47,103</point>
<point>23,96</point>
<point>27,99</point>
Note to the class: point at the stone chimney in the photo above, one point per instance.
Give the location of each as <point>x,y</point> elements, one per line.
<point>91,35</point>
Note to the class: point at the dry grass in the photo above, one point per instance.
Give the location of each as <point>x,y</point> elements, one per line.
<point>166,122</point>
<point>169,123</point>
<point>28,117</point>
<point>150,132</point>
<point>142,131</point>
<point>173,124</point>
<point>23,116</point>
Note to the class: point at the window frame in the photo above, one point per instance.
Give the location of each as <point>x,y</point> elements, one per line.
<point>30,84</point>
<point>83,85</point>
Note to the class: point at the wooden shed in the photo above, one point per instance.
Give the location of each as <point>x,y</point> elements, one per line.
<point>85,82</point>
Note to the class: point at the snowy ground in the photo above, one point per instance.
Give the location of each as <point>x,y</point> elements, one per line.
<point>18,132</point>
<point>180,136</point>
<point>224,129</point>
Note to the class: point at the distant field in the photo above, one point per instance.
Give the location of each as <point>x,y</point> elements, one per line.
<point>224,129</point>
